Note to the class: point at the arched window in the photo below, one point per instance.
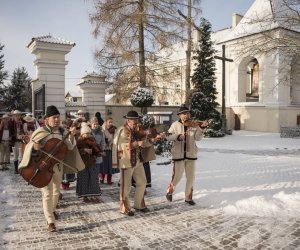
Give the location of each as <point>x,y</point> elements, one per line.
<point>253,81</point>
<point>248,85</point>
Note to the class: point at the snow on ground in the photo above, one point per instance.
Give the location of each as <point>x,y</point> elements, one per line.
<point>244,174</point>
<point>247,173</point>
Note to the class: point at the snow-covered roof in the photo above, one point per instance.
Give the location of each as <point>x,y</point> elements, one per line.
<point>94,75</point>
<point>51,39</point>
<point>75,104</point>
<point>219,35</point>
<point>266,15</point>
<point>160,113</point>
<point>93,79</point>
<point>74,94</point>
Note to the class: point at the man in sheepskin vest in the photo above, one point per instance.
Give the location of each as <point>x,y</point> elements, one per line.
<point>39,138</point>
<point>126,154</point>
<point>184,153</point>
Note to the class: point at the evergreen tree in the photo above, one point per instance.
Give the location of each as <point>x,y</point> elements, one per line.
<point>18,94</point>
<point>203,99</point>
<point>3,73</point>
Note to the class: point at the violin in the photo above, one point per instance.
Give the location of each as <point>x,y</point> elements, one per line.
<point>194,123</point>
<point>142,133</point>
<point>97,150</point>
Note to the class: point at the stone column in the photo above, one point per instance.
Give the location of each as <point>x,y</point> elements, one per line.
<point>50,68</point>
<point>93,93</point>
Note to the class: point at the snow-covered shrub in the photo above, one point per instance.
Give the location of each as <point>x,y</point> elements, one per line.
<point>141,97</point>
<point>147,121</point>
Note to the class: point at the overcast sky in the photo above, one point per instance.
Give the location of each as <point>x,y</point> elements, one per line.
<point>20,20</point>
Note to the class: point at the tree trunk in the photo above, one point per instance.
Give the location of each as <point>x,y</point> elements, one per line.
<point>142,46</point>
<point>188,52</point>
<point>142,51</point>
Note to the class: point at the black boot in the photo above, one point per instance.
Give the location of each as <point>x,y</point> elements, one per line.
<point>16,167</point>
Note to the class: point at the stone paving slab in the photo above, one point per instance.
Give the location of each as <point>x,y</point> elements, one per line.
<point>173,225</point>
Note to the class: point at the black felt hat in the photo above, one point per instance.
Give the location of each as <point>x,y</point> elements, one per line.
<point>132,115</point>
<point>51,110</point>
<point>183,109</point>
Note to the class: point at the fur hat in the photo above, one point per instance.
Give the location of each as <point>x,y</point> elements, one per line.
<point>132,115</point>
<point>183,109</point>
<point>51,110</point>
<point>85,128</point>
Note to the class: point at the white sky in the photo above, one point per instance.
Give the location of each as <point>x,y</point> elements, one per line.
<point>21,20</point>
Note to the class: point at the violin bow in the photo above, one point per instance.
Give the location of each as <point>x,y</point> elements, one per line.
<point>146,137</point>
<point>53,157</point>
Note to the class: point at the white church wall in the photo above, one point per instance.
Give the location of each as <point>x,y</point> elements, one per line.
<point>254,118</point>
<point>295,81</point>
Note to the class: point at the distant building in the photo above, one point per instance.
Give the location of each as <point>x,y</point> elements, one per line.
<point>73,96</point>
<point>262,86</point>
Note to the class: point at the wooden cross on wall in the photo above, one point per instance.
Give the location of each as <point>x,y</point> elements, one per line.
<point>223,59</point>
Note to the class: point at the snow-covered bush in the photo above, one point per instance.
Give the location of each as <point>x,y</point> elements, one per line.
<point>141,97</point>
<point>147,121</point>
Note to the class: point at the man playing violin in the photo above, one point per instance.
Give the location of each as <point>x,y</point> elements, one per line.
<point>184,153</point>
<point>126,155</point>
<point>40,138</point>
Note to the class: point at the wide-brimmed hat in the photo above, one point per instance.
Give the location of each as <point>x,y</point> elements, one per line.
<point>183,109</point>
<point>16,112</point>
<point>51,111</point>
<point>28,118</point>
<point>4,116</point>
<point>132,115</point>
<point>80,112</point>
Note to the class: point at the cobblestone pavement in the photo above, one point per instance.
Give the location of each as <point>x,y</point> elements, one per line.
<point>173,225</point>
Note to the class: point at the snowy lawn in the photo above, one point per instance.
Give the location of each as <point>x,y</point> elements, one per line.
<point>247,173</point>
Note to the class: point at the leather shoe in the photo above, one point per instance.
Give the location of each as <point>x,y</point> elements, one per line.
<point>143,210</point>
<point>191,202</point>
<point>51,227</point>
<point>128,213</point>
<point>169,196</point>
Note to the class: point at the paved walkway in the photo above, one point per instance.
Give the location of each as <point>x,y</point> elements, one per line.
<point>173,225</point>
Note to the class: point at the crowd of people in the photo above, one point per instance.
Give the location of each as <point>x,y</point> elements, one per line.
<point>91,152</point>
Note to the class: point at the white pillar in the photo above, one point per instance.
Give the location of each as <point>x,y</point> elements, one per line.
<point>50,66</point>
